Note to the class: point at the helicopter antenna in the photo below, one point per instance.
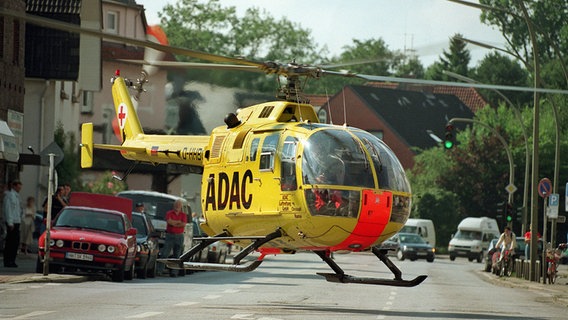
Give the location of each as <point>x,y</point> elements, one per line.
<point>328,106</point>
<point>344,108</point>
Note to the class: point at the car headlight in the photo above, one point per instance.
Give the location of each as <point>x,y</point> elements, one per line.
<point>101,247</point>
<point>433,250</point>
<point>51,243</point>
<point>111,249</point>
<point>59,243</point>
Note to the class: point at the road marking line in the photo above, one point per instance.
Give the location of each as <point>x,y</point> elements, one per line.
<point>33,314</point>
<point>185,304</point>
<point>212,296</point>
<point>144,315</point>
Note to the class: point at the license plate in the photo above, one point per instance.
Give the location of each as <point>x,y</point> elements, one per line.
<point>79,256</point>
<point>422,253</point>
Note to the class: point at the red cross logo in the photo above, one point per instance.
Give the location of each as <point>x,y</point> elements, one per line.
<point>121,115</point>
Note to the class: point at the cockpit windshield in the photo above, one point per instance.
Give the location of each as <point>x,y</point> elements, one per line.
<point>337,157</point>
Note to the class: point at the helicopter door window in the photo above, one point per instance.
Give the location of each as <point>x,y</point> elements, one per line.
<point>268,152</point>
<point>254,148</point>
<point>288,165</point>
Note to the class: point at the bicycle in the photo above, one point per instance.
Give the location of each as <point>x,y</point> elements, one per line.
<point>552,259</point>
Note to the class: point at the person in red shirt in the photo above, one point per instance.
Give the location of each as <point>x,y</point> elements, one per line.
<point>176,221</point>
<point>528,243</point>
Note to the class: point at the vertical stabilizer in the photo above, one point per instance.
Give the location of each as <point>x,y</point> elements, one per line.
<point>128,123</point>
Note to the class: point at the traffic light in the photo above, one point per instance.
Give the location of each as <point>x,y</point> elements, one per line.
<point>509,213</point>
<point>449,137</point>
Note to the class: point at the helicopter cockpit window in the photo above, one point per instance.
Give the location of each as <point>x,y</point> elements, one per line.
<point>288,165</point>
<point>268,153</point>
<point>254,149</point>
<point>335,157</point>
<point>389,170</point>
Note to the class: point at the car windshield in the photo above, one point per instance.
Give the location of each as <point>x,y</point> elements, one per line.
<point>411,238</point>
<point>409,229</point>
<point>90,219</point>
<point>468,235</point>
<point>138,223</point>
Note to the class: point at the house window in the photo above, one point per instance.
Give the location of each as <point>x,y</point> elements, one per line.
<point>16,55</point>
<point>87,105</point>
<point>1,37</point>
<point>379,134</point>
<point>112,22</point>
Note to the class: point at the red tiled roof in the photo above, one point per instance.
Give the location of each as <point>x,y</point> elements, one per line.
<point>469,96</point>
<point>317,100</point>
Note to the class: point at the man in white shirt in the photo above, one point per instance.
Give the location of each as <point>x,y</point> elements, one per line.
<point>12,216</point>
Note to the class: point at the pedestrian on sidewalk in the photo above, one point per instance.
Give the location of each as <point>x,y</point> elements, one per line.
<point>176,220</point>
<point>13,217</point>
<point>27,227</point>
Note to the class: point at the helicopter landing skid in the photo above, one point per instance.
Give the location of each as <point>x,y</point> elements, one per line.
<point>340,276</point>
<point>183,261</point>
<point>176,264</point>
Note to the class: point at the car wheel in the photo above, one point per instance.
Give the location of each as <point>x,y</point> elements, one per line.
<point>152,271</point>
<point>130,274</point>
<point>400,255</point>
<point>452,257</point>
<point>39,265</point>
<point>487,267</point>
<point>430,259</point>
<point>118,275</point>
<point>143,272</point>
<point>223,257</point>
<point>479,257</point>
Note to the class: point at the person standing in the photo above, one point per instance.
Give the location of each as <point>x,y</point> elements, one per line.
<point>27,227</point>
<point>12,215</point>
<point>176,221</point>
<point>528,236</point>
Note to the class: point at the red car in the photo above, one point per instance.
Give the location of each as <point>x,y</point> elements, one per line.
<point>85,239</point>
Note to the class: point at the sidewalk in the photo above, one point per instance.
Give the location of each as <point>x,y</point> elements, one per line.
<point>558,292</point>
<point>26,271</point>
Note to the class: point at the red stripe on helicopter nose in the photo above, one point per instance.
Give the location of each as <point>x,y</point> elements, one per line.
<point>375,214</point>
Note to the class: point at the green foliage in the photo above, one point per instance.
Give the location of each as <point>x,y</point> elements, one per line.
<point>496,68</point>
<point>68,170</point>
<point>457,60</point>
<point>106,184</point>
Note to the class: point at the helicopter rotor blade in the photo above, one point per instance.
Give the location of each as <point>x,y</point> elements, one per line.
<point>442,83</point>
<point>290,70</point>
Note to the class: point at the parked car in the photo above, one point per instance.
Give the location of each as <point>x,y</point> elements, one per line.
<point>147,246</point>
<point>89,239</point>
<point>214,253</point>
<point>410,246</point>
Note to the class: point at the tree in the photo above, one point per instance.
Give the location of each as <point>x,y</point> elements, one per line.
<point>496,68</point>
<point>68,170</point>
<point>548,20</point>
<point>457,60</point>
<point>214,29</point>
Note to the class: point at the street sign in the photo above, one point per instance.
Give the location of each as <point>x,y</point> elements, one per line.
<point>566,198</point>
<point>544,187</point>
<point>553,201</point>
<point>511,188</point>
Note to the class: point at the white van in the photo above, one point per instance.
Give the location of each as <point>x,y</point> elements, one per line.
<point>422,227</point>
<point>472,237</point>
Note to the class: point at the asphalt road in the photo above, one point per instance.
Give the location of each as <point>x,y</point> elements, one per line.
<point>287,287</point>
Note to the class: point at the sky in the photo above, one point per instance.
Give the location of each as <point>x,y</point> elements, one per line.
<point>425,26</point>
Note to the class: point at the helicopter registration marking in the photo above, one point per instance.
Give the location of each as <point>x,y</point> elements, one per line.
<point>122,115</point>
<point>192,154</point>
<point>224,190</point>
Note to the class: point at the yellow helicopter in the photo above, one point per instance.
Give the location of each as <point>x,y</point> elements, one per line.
<point>274,178</point>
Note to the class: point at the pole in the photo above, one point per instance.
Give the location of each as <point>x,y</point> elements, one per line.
<point>48,217</point>
<point>527,153</point>
<point>544,245</point>
<point>509,156</point>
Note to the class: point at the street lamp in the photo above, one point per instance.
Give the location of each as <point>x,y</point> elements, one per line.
<point>502,140</point>
<point>527,157</point>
